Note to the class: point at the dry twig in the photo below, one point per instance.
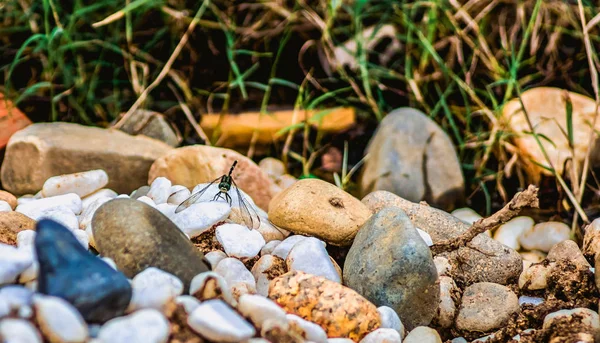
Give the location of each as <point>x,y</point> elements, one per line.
<point>527,198</point>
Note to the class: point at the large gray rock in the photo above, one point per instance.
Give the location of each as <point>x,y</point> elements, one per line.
<point>137,236</point>
<point>484,260</point>
<point>43,150</point>
<point>411,156</point>
<point>390,265</point>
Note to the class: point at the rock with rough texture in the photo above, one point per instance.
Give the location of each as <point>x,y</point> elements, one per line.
<point>191,165</point>
<point>423,334</point>
<point>535,277</point>
<point>150,124</point>
<point>18,331</point>
<point>313,207</point>
<point>388,247</point>
<point>487,261</point>
<point>69,271</point>
<point>9,198</point>
<point>137,236</point>
<point>215,320</point>
<point>340,311</point>
<point>82,184</point>
<point>153,288</point>
<point>486,306</point>
<point>568,251</point>
<point>411,156</point>
<point>59,321</point>
<point>544,236</point>
<point>11,223</point>
<point>144,326</point>
<point>578,321</point>
<point>311,257</point>
<point>43,150</point>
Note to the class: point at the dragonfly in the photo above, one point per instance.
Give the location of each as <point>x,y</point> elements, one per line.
<point>226,182</point>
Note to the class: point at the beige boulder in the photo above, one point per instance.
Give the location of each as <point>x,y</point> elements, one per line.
<point>43,150</point>
<point>313,207</point>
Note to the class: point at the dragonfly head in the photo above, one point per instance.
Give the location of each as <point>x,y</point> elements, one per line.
<point>224,186</point>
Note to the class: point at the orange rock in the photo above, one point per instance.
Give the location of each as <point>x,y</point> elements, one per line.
<point>9,198</point>
<point>11,120</point>
<point>191,165</point>
<point>546,107</point>
<point>11,223</point>
<point>340,311</point>
<point>237,129</point>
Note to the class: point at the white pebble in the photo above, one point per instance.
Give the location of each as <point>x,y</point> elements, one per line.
<point>178,194</point>
<point>31,209</point>
<point>82,184</point>
<point>82,237</point>
<point>88,212</point>
<point>310,256</point>
<point>509,232</point>
<point>26,312</point>
<point>269,247</point>
<point>311,331</point>
<point>216,321</point>
<point>26,238</point>
<point>16,296</point>
<point>535,277</point>
<point>32,285</point>
<point>524,299</point>
<point>123,196</point>
<point>390,320</point>
<point>201,216</point>
<point>239,241</point>
<point>110,262</point>
<point>18,331</point>
<point>90,233</point>
<point>25,199</point>
<point>283,249</point>
<point>102,193</point>
<point>340,340</point>
<point>583,315</point>
<point>31,273</point>
<point>269,231</point>
<point>214,257</point>
<point>382,335</point>
<point>423,334</point>
<point>5,207</point>
<point>60,214</point>
<point>144,326</point>
<point>446,311</point>
<point>59,320</point>
<point>544,236</point>
<point>154,288</point>
<point>467,215</point>
<point>188,302</point>
<point>260,271</point>
<point>234,272</point>
<point>258,309</point>
<point>167,209</point>
<point>442,265</point>
<point>210,285</point>
<point>13,261</point>
<point>146,200</point>
<point>426,237</point>
<point>160,190</point>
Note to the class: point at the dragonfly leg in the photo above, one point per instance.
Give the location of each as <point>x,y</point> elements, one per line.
<point>228,198</point>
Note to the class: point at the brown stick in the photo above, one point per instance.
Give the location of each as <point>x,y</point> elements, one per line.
<point>527,198</point>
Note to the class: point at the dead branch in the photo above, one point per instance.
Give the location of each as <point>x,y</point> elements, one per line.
<point>521,200</point>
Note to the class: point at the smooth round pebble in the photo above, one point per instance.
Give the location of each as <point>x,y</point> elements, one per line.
<point>269,247</point>
<point>309,256</point>
<point>239,241</point>
<point>154,288</point>
<point>5,207</point>
<point>216,321</point>
<point>258,309</point>
<point>201,216</point>
<point>188,302</point>
<point>390,320</point>
<point>214,257</point>
<point>9,199</point>
<point>101,193</point>
<point>283,249</point>
<point>178,194</point>
<point>235,273</point>
<point>82,184</point>
<point>447,308</point>
<point>160,190</point>
<point>60,214</point>
<point>13,261</point>
<point>18,331</point>
<point>467,215</point>
<point>272,166</point>
<point>59,321</point>
<point>210,285</point>
<point>422,334</point>
<point>382,335</point>
<point>442,265</point>
<point>32,209</point>
<point>144,326</point>
<point>486,306</point>
<point>264,270</point>
<point>311,331</point>
<point>16,296</point>
<point>535,277</point>
<point>510,232</point>
<point>146,200</point>
<point>85,219</point>
<point>544,236</point>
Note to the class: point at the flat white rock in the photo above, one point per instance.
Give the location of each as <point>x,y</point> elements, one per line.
<point>160,190</point>
<point>216,321</point>
<point>143,326</point>
<point>426,237</point>
<point>178,194</point>
<point>311,331</point>
<point>390,320</point>
<point>235,273</point>
<point>510,232</point>
<point>283,249</point>
<point>5,207</point>
<point>154,288</point>
<point>310,256</point>
<point>82,184</point>
<point>101,193</point>
<point>167,209</point>
<point>201,216</point>
<point>544,236</point>
<point>13,261</point>
<point>260,271</point>
<point>258,309</point>
<point>239,241</point>
<point>32,209</point>
<point>18,331</point>
<point>382,335</point>
<point>59,320</point>
<point>60,214</point>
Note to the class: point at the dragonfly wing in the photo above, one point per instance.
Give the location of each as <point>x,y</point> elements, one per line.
<point>247,211</point>
<point>194,197</point>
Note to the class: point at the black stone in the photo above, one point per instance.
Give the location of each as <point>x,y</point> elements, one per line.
<point>70,272</point>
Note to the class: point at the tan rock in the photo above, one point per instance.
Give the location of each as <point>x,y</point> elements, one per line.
<point>9,198</point>
<point>340,311</point>
<point>44,150</point>
<point>317,208</point>
<point>11,223</point>
<point>546,107</point>
<point>192,165</point>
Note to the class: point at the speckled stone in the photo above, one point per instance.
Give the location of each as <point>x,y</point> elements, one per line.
<point>340,311</point>
<point>388,247</point>
<point>11,223</point>
<point>137,236</point>
<point>486,306</point>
